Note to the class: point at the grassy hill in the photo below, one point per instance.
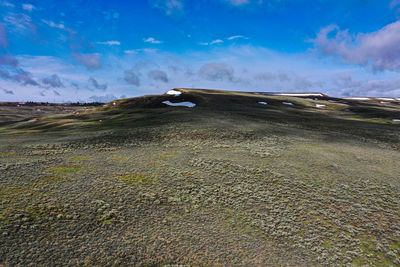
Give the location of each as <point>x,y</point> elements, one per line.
<point>241,178</point>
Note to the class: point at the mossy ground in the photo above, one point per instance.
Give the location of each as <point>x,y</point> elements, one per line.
<point>235,184</point>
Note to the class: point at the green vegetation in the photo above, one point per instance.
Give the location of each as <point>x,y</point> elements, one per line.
<point>228,182</point>
<point>65,169</point>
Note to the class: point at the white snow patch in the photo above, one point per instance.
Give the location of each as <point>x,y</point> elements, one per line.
<point>384,102</point>
<point>299,94</point>
<point>182,104</point>
<point>287,103</point>
<point>174,92</point>
<point>386,98</point>
<point>263,103</point>
<point>358,98</point>
<point>396,120</point>
<point>320,106</point>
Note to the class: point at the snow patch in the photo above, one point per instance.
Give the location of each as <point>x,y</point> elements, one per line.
<point>358,98</point>
<point>174,92</point>
<point>180,104</point>
<point>386,98</point>
<point>263,103</point>
<point>384,102</point>
<point>287,103</point>
<point>320,106</point>
<point>396,120</point>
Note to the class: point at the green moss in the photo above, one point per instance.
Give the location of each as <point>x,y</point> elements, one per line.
<point>51,179</point>
<point>396,245</point>
<point>108,221</point>
<point>136,179</point>
<point>65,169</point>
<point>11,195</point>
<point>7,153</point>
<point>327,243</point>
<point>168,155</point>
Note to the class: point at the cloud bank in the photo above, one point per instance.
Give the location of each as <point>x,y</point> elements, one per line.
<point>379,49</point>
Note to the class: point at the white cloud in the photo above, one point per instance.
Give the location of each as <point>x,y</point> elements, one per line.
<point>141,50</point>
<point>110,43</point>
<point>394,3</point>
<point>244,68</point>
<point>379,49</point>
<point>130,52</point>
<point>28,7</point>
<point>218,41</point>
<point>53,24</point>
<point>102,98</point>
<point>7,4</point>
<point>152,40</point>
<point>237,37</point>
<point>238,2</point>
<point>20,22</point>
<point>170,7</point>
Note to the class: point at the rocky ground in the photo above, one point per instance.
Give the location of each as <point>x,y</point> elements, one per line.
<point>207,193</point>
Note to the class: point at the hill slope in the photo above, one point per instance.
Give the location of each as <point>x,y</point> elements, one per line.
<point>238,179</point>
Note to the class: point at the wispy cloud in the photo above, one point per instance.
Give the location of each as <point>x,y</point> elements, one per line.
<point>20,22</point>
<point>152,40</point>
<point>218,41</point>
<point>8,60</point>
<point>216,72</point>
<point>237,2</point>
<point>53,24</point>
<point>24,78</point>
<point>169,7</point>
<point>102,99</point>
<point>28,7</point>
<point>394,3</point>
<point>132,77</point>
<point>379,49</point>
<point>7,4</point>
<point>53,81</point>
<point>97,85</point>
<point>90,61</point>
<point>158,75</point>
<point>9,92</point>
<point>110,43</point>
<point>3,36</point>
<point>237,37</point>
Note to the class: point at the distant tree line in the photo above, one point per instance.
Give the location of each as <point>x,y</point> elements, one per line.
<point>32,103</point>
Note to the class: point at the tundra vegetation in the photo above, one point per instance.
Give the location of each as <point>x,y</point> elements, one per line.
<point>228,181</point>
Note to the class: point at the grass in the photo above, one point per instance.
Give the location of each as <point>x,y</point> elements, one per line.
<point>136,179</point>
<point>65,169</point>
<point>4,154</point>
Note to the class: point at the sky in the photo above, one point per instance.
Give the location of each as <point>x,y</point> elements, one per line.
<point>76,50</point>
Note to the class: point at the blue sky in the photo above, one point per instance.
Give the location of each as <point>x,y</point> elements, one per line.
<point>100,50</point>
